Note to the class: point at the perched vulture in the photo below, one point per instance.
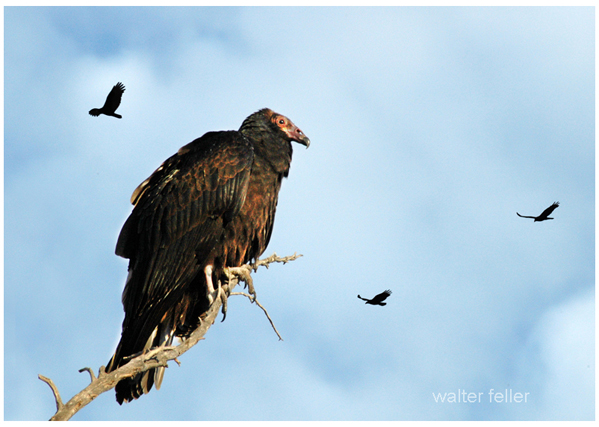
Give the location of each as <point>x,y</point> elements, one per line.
<point>545,215</point>
<point>210,206</point>
<point>113,100</point>
<point>377,300</point>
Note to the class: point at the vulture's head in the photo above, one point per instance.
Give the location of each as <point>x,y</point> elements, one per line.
<point>292,132</point>
<point>277,123</point>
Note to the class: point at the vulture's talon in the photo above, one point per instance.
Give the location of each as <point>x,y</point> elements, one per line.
<point>224,298</point>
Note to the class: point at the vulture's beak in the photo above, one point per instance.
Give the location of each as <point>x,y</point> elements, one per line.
<point>304,141</point>
<point>298,136</point>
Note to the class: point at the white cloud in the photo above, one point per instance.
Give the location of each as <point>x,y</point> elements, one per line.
<point>562,349</point>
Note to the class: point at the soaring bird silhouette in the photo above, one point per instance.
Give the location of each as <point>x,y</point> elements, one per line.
<point>377,300</point>
<point>113,100</point>
<point>544,216</point>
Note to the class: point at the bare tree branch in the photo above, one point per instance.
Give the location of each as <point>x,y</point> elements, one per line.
<point>161,355</point>
<point>48,381</point>
<point>91,373</point>
<point>253,299</point>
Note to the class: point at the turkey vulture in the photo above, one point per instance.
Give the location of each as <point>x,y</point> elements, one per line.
<point>545,215</point>
<point>208,207</point>
<point>377,300</point>
<point>113,100</point>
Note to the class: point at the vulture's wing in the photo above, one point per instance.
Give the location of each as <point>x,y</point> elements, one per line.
<point>381,297</point>
<point>113,100</point>
<point>178,218</point>
<point>523,216</point>
<point>548,211</point>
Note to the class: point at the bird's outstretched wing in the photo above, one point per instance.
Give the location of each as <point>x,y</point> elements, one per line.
<point>548,211</point>
<point>381,297</point>
<point>113,100</point>
<point>523,216</point>
<point>378,299</point>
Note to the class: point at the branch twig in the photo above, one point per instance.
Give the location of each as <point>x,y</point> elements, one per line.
<point>91,373</point>
<point>48,381</point>
<point>253,299</point>
<point>161,355</point>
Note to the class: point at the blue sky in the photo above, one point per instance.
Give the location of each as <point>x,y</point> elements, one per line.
<point>430,128</point>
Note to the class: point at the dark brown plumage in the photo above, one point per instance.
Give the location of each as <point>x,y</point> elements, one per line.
<point>113,100</point>
<point>545,215</point>
<point>377,300</point>
<point>210,206</point>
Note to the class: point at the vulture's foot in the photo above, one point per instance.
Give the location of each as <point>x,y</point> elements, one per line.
<point>243,274</point>
<point>222,294</point>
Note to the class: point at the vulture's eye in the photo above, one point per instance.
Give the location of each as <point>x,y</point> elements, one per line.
<point>281,121</point>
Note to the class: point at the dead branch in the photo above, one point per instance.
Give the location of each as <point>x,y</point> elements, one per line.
<point>54,390</point>
<point>253,299</point>
<point>274,258</point>
<point>89,370</point>
<point>161,355</point>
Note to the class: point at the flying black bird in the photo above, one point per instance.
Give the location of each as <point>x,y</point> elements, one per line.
<point>545,215</point>
<point>113,100</point>
<point>377,300</point>
<point>208,207</point>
